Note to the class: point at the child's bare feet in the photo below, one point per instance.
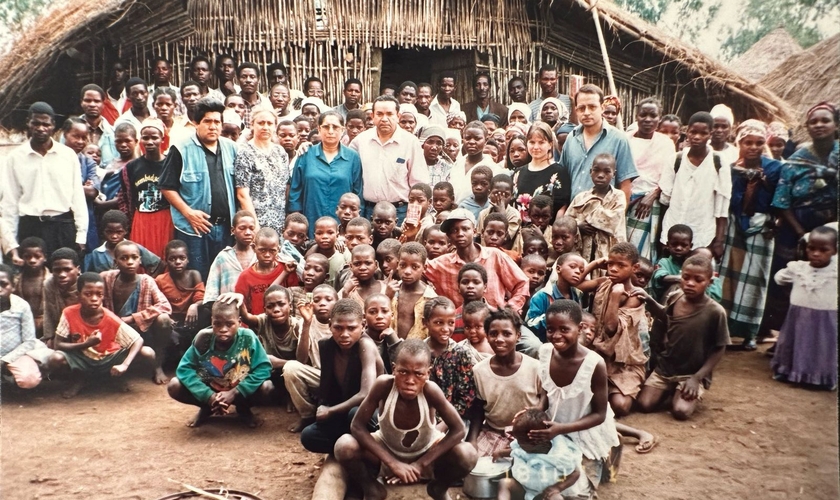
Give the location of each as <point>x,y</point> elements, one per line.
<point>200,417</point>
<point>438,491</point>
<point>73,390</point>
<point>301,424</point>
<point>246,416</point>
<point>159,377</point>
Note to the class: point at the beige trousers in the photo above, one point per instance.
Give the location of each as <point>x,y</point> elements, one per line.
<point>302,382</point>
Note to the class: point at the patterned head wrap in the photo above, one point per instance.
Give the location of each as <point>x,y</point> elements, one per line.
<point>614,100</point>
<point>751,127</point>
<point>823,105</point>
<point>452,116</point>
<point>777,129</point>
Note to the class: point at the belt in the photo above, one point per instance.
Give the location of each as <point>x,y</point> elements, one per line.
<point>66,216</point>
<point>397,204</point>
<point>218,221</point>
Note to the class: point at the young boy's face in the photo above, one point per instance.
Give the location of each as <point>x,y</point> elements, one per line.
<point>231,131</point>
<point>437,244</point>
<point>539,247</point>
<point>348,208</point>
<point>694,280</point>
<point>441,200</point>
<point>495,234</point>
<point>671,129</point>
<point>587,329</point>
<point>620,268</point>
<point>177,260</point>
<point>441,324</point>
<point>125,144</point>
<point>471,286</point>
<point>462,234</point>
<point>287,137</point>
<point>388,261</point>
<point>602,172</point>
<point>267,250</point>
<point>65,273</point>
<point>561,331</point>
<point>93,152</point>
<point>225,325</point>
<point>679,245</point>
<point>536,275</point>
<point>356,235</point>
<point>451,148</point>
<point>244,230</point>
<point>411,373</point>
<point>363,265</point>
<point>571,270</point>
<point>540,216</point>
<point>698,135</point>
<point>642,276</point>
<point>378,315</point>
<point>33,258</point>
<point>323,302</point>
<point>346,330</point>
<point>325,234</point>
<point>314,273</point>
<point>419,197</point>
<point>91,296</point>
<point>295,233</point>
<point>355,126</point>
<point>501,192</point>
<point>127,258</point>
<point>563,240</point>
<point>411,268</point>
<point>474,326</point>
<point>277,307</point>
<point>5,285</point>
<point>502,336</point>
<point>114,233</point>
<point>384,222</point>
<point>151,139</point>
<point>480,186</point>
<point>303,129</point>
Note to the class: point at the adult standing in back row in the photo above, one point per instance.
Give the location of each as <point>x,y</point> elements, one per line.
<point>392,160</point>
<point>592,137</point>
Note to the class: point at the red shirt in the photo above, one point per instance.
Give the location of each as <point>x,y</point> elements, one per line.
<point>116,335</point>
<point>253,285</point>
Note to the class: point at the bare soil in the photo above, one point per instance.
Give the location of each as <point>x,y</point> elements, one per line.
<point>752,438</point>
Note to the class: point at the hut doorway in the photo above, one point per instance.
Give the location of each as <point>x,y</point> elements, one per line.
<point>425,65</point>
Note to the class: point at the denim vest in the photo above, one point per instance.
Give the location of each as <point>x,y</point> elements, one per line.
<point>195,179</point>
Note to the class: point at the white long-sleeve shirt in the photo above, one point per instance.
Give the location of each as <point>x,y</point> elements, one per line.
<point>696,196</point>
<point>45,185</point>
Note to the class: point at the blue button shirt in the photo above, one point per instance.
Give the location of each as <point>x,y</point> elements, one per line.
<point>578,160</point>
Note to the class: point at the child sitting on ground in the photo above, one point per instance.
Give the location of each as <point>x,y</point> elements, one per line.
<point>22,356</point>
<point>472,284</point>
<point>315,269</point>
<point>474,314</point>
<point>184,290</point>
<point>408,445</point>
<point>411,296</point>
<point>378,318</point>
<point>93,340</point>
<point>419,198</point>
<point>667,272</point>
<point>30,283</point>
<point>225,366</point>
<point>689,337</point>
<point>435,242</point>
<point>302,376</point>
<point>620,318</point>
<point>806,352</point>
<point>114,228</point>
<point>600,211</point>
<point>549,470</point>
<point>272,268</point>
<point>348,371</point>
<point>575,380</point>
<point>451,363</point>
<point>501,191</point>
<point>363,282</point>
<point>139,302</point>
<point>384,223</point>
<point>505,383</point>
<point>326,236</point>
<point>479,200</point>
<point>60,289</point>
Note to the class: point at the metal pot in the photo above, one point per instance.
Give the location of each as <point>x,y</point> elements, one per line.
<point>483,481</point>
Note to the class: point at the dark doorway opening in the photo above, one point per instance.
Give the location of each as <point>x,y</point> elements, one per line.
<point>425,65</point>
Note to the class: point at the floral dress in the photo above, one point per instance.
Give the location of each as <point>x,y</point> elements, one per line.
<point>452,371</point>
<point>553,181</point>
<point>266,175</point>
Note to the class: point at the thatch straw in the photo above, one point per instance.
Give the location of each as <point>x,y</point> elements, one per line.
<point>807,78</point>
<point>766,54</point>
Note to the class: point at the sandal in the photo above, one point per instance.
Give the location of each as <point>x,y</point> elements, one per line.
<point>647,447</point>
<point>749,345</point>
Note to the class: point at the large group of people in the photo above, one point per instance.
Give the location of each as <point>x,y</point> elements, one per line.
<point>427,283</point>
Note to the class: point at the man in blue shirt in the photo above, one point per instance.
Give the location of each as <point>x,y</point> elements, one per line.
<point>592,137</point>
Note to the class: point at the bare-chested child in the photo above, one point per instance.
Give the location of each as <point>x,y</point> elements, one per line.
<point>348,370</point>
<point>60,289</point>
<point>30,284</point>
<point>139,302</point>
<point>410,299</point>
<point>407,446</point>
<point>225,366</point>
<point>93,340</point>
<point>378,319</point>
<point>363,282</point>
<point>184,290</point>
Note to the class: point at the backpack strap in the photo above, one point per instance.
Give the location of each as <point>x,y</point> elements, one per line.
<point>677,163</point>
<point>717,161</point>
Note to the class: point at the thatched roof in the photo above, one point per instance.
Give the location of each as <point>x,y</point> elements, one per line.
<point>808,77</point>
<point>766,54</point>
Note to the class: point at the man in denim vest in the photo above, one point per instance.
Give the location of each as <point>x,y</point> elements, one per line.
<point>197,180</point>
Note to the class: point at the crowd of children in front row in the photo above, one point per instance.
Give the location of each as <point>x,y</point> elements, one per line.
<point>410,352</point>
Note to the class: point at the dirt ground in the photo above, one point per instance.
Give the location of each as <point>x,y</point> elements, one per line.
<point>751,438</point>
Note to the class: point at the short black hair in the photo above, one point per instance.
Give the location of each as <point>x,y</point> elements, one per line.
<point>222,57</point>
<point>702,117</point>
<point>296,217</point>
<point>311,79</point>
<point>680,229</point>
<point>563,257</point>
<point>278,65</point>
<point>247,65</point>
<point>447,74</point>
<point>356,114</point>
<point>115,217</point>
<point>347,307</point>
<point>7,270</point>
<point>671,118</point>
<point>540,201</point>
<point>422,186</point>
<point>446,186</point>
<point>565,307</point>
<point>92,87</point>
<point>435,303</point>
<point>125,243</point>
<point>127,128</point>
<point>700,261</point>
<point>649,100</point>
<point>414,248</point>
<point>503,314</point>
<point>198,59</point>
<point>413,347</point>
<point>389,246</point>
<point>626,249</point>
<point>825,231</point>
<point>65,253</point>
<point>351,81</point>
<point>207,105</point>
<point>386,98</point>
<point>174,245</point>
<point>501,178</point>
<point>360,222</point>
<point>86,278</point>
<point>472,266</point>
<point>547,67</point>
<point>32,242</point>
<point>496,217</point>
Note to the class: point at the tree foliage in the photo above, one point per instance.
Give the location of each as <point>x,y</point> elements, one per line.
<point>15,13</point>
<point>691,18</point>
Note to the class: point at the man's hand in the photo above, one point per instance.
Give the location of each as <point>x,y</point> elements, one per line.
<point>717,248</point>
<point>231,298</point>
<point>644,206</point>
<point>199,221</point>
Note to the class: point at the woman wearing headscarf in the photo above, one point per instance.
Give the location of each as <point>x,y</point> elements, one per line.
<point>554,113</point>
<point>519,112</point>
<point>612,108</point>
<point>748,253</point>
<point>807,198</point>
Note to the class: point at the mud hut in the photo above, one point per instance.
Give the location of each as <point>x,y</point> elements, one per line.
<point>766,54</point>
<point>376,41</point>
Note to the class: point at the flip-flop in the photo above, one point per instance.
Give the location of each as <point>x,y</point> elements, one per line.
<point>642,450</point>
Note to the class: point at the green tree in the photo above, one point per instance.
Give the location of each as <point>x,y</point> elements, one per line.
<point>692,17</point>
<point>14,14</point>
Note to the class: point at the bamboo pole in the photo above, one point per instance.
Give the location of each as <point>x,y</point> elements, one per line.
<point>606,56</point>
